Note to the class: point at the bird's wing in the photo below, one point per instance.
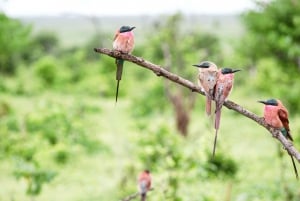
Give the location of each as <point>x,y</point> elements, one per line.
<point>116,35</point>
<point>283,116</point>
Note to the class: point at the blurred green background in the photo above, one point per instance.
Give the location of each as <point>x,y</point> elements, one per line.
<point>63,138</point>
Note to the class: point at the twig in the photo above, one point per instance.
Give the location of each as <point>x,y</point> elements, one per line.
<point>130,197</point>
<point>160,71</point>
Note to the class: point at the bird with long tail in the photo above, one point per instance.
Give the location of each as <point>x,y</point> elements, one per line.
<point>224,84</point>
<point>123,42</point>
<point>277,116</point>
<point>207,78</point>
<point>144,184</point>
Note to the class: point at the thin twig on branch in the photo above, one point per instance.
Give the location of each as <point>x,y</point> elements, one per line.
<point>130,197</point>
<point>160,71</point>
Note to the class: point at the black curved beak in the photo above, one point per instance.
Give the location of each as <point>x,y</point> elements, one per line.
<point>263,102</point>
<point>201,65</point>
<point>234,71</point>
<point>132,28</point>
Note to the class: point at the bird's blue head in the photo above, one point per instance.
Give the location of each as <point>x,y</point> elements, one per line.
<point>271,101</point>
<point>204,64</point>
<point>229,70</point>
<point>126,29</point>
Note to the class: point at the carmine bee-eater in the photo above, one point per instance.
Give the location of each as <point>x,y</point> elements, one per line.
<point>224,84</point>
<point>123,42</point>
<point>207,79</point>
<point>277,116</point>
<point>144,183</point>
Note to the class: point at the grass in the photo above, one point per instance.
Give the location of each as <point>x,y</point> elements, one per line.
<point>97,176</point>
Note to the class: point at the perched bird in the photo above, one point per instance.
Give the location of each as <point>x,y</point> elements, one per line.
<point>277,116</point>
<point>224,84</point>
<point>123,42</point>
<point>144,183</point>
<point>207,79</point>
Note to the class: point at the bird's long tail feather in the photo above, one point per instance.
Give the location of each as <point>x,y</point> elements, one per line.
<point>117,91</point>
<point>119,63</point>
<point>143,197</point>
<point>215,143</point>
<point>295,168</point>
<point>217,118</point>
<point>217,125</point>
<point>208,106</point>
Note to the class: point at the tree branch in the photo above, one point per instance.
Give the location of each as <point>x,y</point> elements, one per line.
<point>160,71</point>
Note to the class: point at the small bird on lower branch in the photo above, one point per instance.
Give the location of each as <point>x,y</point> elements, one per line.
<point>144,183</point>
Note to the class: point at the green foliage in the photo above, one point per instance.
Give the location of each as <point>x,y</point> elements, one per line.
<point>73,61</point>
<point>273,81</point>
<point>14,38</point>
<point>4,108</point>
<point>34,176</point>
<point>61,153</point>
<point>43,138</point>
<point>274,27</point>
<point>60,125</point>
<point>177,161</point>
<point>145,104</point>
<point>161,153</point>
<point>52,73</point>
<point>184,47</point>
<point>221,165</point>
<point>47,70</point>
<point>47,42</point>
<point>272,45</point>
<point>98,40</point>
<point>42,43</point>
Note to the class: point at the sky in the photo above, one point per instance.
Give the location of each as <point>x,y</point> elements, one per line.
<point>19,8</point>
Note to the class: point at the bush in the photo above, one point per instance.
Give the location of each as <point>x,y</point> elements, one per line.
<point>47,70</point>
<point>14,40</point>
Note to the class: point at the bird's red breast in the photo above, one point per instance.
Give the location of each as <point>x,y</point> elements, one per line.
<point>278,117</point>
<point>144,181</point>
<point>223,87</point>
<point>124,42</point>
<point>271,116</point>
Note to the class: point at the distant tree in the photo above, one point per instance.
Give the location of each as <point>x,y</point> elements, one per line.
<point>178,49</point>
<point>271,47</point>
<point>46,41</point>
<point>42,43</point>
<point>273,30</point>
<point>14,40</point>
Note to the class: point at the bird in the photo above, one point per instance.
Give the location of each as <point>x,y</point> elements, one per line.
<point>123,42</point>
<point>207,78</point>
<point>277,116</point>
<point>144,183</point>
<point>224,84</point>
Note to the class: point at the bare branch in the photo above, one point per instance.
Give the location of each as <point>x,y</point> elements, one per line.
<point>160,71</point>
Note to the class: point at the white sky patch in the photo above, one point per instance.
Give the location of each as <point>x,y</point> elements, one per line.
<point>122,7</point>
